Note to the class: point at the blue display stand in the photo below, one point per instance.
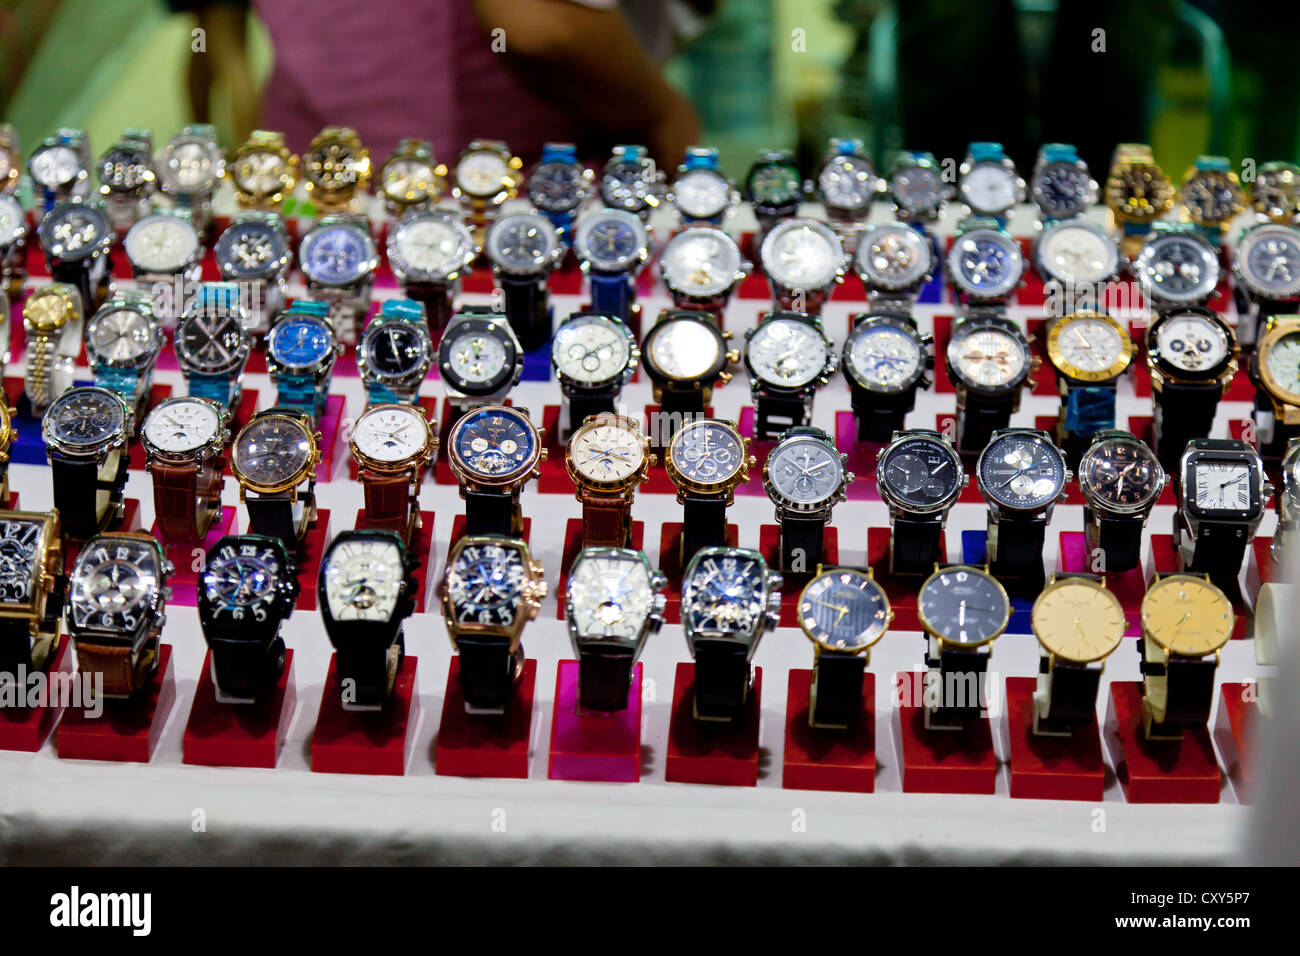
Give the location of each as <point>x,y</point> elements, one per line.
<point>537,364</point>
<point>29,446</point>
<point>932,292</point>
<point>974,551</point>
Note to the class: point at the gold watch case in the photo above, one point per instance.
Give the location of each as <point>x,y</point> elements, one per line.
<point>1186,614</point>
<point>1286,401</point>
<point>726,484</point>
<point>50,308</point>
<point>615,485</point>
<point>929,628</point>
<point>532,591</point>
<point>1137,189</point>
<point>515,478</point>
<point>306,471</point>
<point>43,574</point>
<point>497,193</point>
<point>8,431</point>
<point>1078,620</point>
<point>337,151</point>
<point>1061,328</point>
<point>412,463</point>
<point>421,191</point>
<point>272,143</point>
<point>1215,179</point>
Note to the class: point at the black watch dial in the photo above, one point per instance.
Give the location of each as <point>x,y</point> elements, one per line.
<point>116,583</point>
<point>1062,190</point>
<point>724,592</point>
<point>556,186</point>
<point>395,349</point>
<point>251,250</point>
<point>242,581</point>
<point>84,417</point>
<point>485,582</point>
<point>1021,471</point>
<point>72,231</point>
<point>22,548</point>
<point>922,473</point>
<point>1120,474</point>
<point>211,341</point>
<point>964,605</point>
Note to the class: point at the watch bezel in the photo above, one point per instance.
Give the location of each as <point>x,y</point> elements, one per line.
<point>971,324</point>
<point>579,182</point>
<point>238,358</point>
<point>833,243</point>
<point>869,186</point>
<point>824,573</point>
<point>656,373</point>
<point>728,193</point>
<point>1156,358</point>
<point>421,456</point>
<point>685,483</point>
<point>1171,580</point>
<point>630,426</point>
<point>621,376</point>
<point>416,373</point>
<point>213,444</point>
<point>931,630</point>
<point>830,358</point>
<point>1070,225</point>
<point>1197,453</point>
<point>627,263</point>
<point>1002,167</point>
<point>823,505</point>
<point>894,499</point>
<point>1151,250</point>
<point>304,472</point>
<point>992,498</point>
<point>466,473</point>
<point>1093,496</point>
<point>1002,289</point>
<point>1077,170</point>
<point>538,267</point>
<point>273,268</point>
<point>147,357</point>
<point>366,268</point>
<point>1274,334</point>
<point>900,321</point>
<point>732,248</point>
<point>103,240</point>
<point>1241,258</point>
<point>496,326</point>
<point>405,272</point>
<point>115,438</point>
<point>1112,371</point>
<point>874,279</point>
<point>1060,584</point>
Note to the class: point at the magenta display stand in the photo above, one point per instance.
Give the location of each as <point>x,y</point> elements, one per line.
<point>331,428</point>
<point>1129,586</point>
<point>239,735</point>
<point>823,759</point>
<point>184,555</point>
<point>127,730</point>
<point>483,745</point>
<point>27,728</point>
<point>702,751</point>
<point>365,741</point>
<point>592,745</point>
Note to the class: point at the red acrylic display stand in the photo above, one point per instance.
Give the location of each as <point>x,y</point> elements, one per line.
<point>458,531</point>
<point>670,563</point>
<point>862,458</point>
<point>421,547</point>
<point>26,728</point>
<point>239,735</point>
<point>900,589</point>
<point>1046,767</point>
<point>769,546</point>
<point>1157,771</point>
<point>820,759</point>
<point>128,729</point>
<point>572,545</point>
<point>1129,586</point>
<point>184,555</point>
<point>331,428</point>
<point>1166,560</point>
<point>485,745</point>
<point>759,449</point>
<point>940,761</point>
<point>157,394</point>
<point>590,745</point>
<point>659,482</point>
<point>319,534</point>
<point>1234,728</point>
<point>705,751</point>
<point>130,521</point>
<point>366,741</point>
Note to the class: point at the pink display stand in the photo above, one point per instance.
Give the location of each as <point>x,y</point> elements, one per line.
<point>1158,771</point>
<point>1129,586</point>
<point>185,555</point>
<point>27,728</point>
<point>702,751</point>
<point>127,730</point>
<point>592,745</point>
<point>319,534</point>
<point>940,761</point>
<point>239,735</point>
<point>820,759</point>
<point>862,458</point>
<point>760,449</point>
<point>1050,768</point>
<point>482,745</point>
<point>332,436</point>
<point>793,582</point>
<point>366,741</point>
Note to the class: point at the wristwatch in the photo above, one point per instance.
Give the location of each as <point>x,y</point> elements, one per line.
<point>988,182</point>
<point>86,430</point>
<point>919,475</point>
<point>524,248</point>
<point>706,460</point>
<point>612,246</point>
<point>1121,481</point>
<point>493,451</point>
<point>336,167</point>
<point>212,344</point>
<point>1288,502</point>
<point>701,267</point>
<point>844,612</point>
<point>11,164</point>
<point>338,259</point>
<point>918,188</point>
<point>410,178</point>
<point>60,168</point>
<point>13,248</point>
<point>263,171</point>
<point>52,321</point>
<point>1192,358</point>
<point>885,361</point>
<point>615,601</point>
<point>607,457</point>
<point>1266,264</point>
<point>395,353</point>
<point>1090,351</point>
<point>165,254</point>
<point>479,357</point>
<point>1061,186</point>
<point>985,264</point>
<point>254,250</point>
<point>594,356</point>
<point>184,442</point>
<point>1078,257</point>
<point>428,252</point>
<point>803,260</point>
<point>631,182</point>
<point>988,361</point>
<point>189,169</point>
<point>1186,620</point>
<point>1177,266</point>
<point>847,185</point>
<point>558,186</point>
<point>117,601</point>
<point>274,459</point>
<point>774,187</point>
<point>805,476</point>
<point>301,350</point>
<point>485,176</point>
<point>701,193</point>
<point>1275,193</point>
<point>788,357</point>
<point>1275,368</point>
<point>392,445</point>
<point>962,610</point>
<point>1137,192</point>
<point>31,566</point>
<point>126,177</point>
<point>684,355</point>
<point>247,591</point>
<point>77,240</point>
<point>894,261</point>
<point>123,342</point>
<point>367,592</point>
<point>1212,197</point>
<point>730,598</point>
<point>1222,497</point>
<point>1021,475</point>
<point>8,434</point>
<point>1078,623</point>
<point>493,588</point>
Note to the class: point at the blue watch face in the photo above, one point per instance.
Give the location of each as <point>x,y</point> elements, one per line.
<point>986,264</point>
<point>248,250</point>
<point>485,583</point>
<point>1062,190</point>
<point>337,255</point>
<point>495,442</point>
<point>240,579</point>
<point>724,591</point>
<point>612,240</point>
<point>556,186</point>
<point>300,341</point>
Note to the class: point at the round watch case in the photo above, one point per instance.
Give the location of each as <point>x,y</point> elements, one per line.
<point>946,586</point>
<point>611,241</point>
<point>1162,622</point>
<point>1045,489</point>
<point>728,475</point>
<point>632,433</point>
<point>506,250</point>
<point>824,501</point>
<point>1061,329</point>
<point>819,375</point>
<point>202,446</point>
<point>563,338</point>
<point>235,357</point>
<point>1217,328</point>
<point>1154,267</point>
<point>1102,450</point>
<point>425,448</point>
<point>1094,632</point>
<point>861,587</point>
<point>1280,338</point>
<point>148,350</point>
<point>1280,245</point>
<point>269,232</point>
<point>417,351</point>
<point>782,232</point>
<point>103,420</point>
<point>983,242</point>
<point>494,326</point>
<point>883,323</point>
<point>1053,263</point>
<point>319,233</point>
<point>424,223</point>
<point>55,241</point>
<point>701,282</point>
<point>297,424</point>
<point>664,327</point>
<point>899,453</point>
<point>894,258</point>
<point>518,471</point>
<point>975,324</point>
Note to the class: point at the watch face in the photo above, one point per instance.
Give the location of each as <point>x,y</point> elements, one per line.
<point>335,165</point>
<point>300,341</point>
<point>161,244</point>
<point>1139,193</point>
<point>883,356</point>
<point>707,452</point>
<point>1191,342</point>
<point>918,189</point>
<point>847,182</point>
<point>627,186</point>
<point>52,166</point>
<point>786,352</point>
<point>1268,261</point>
<point>989,356</point>
<point>84,417</point>
<point>802,254</point>
<point>963,605</point>
<point>73,231</point>
<point>251,250</point>
<point>485,583</point>
<point>242,579</point>
<point>272,450</point>
<point>1220,486</point>
<point>115,583</point>
<point>989,188</point>
<point>1063,189</point>
<point>725,592</point>
<point>1178,268</point>
<point>181,426</point>
<point>591,349</point>
<point>702,193</point>
<point>1212,197</point>
<point>212,341</point>
<point>1077,253</point>
<point>1283,363</point>
<point>556,186</point>
<point>261,172</point>
<point>894,257</point>
<point>391,433</point>
<point>121,337</point>
<point>701,262</point>
<point>985,263</point>
<point>363,577</point>
<point>337,254</point>
<point>920,473</point>
<point>22,556</point>
<point>1121,475</point>
<point>775,184</point>
<point>1186,614</point>
<point>408,180</point>
<point>1087,343</point>
<point>606,450</point>
<point>396,349</point>
<point>430,247</point>
<point>475,358</point>
<point>482,173</point>
<point>1078,620</point>
<point>611,594</point>
<point>46,310</point>
<point>124,169</point>
<point>495,442</point>
<point>188,165</point>
<point>522,244</point>
<point>1276,192</point>
<point>1021,471</point>
<point>804,471</point>
<point>12,220</point>
<point>843,609</point>
<point>611,240</point>
<point>684,349</point>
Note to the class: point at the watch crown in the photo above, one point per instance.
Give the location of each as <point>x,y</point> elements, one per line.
<point>725,377</point>
<point>728,335</point>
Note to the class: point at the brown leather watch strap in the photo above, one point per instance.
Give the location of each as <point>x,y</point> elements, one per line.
<point>187,498</point>
<point>122,676</point>
<point>389,501</point>
<point>606,520</point>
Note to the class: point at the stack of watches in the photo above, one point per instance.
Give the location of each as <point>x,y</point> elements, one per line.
<point>86,431</point>
<point>1089,351</point>
<point>1121,481</point>
<point>123,342</point>
<point>254,251</point>
<point>429,251</point>
<point>263,171</point>
<point>126,177</point>
<point>919,475</point>
<point>114,627</point>
<point>1275,192</point>
<point>918,188</point>
<point>963,610</point>
<point>788,357</point>
<point>612,245</point>
<point>485,176</point>
<point>701,193</point>
<point>615,601</point>
<point>1212,197</point>
<point>336,168</point>
<point>847,185</point>
<point>885,361</point>
<point>1137,192</point>
<point>13,249</point>
<point>212,344</point>
<point>631,182</point>
<point>593,355</point>
<point>1076,259</point>
<point>803,260</point>
<point>274,459</point>
<point>184,441</point>
<point>988,182</point>
<point>301,350</point>
<point>338,259</point>
<point>701,267</point>
<point>31,570</point>
<point>493,588</point>
<point>246,592</point>
<point>1022,476</point>
<point>685,355</point>
<point>367,592</point>
<point>524,248</point>
<point>52,322</point>
<point>607,457</point>
<point>392,445</point>
<point>989,360</point>
<point>774,187</point>
<point>805,476</point>
<point>1177,266</point>
<point>189,169</point>
<point>1061,186</point>
<point>1078,623</point>
<point>166,255</point>
<point>1275,367</point>
<point>60,168</point>
<point>479,357</point>
<point>395,353</point>
<point>493,451</point>
<point>706,460</point>
<point>894,261</point>
<point>77,240</point>
<point>1191,358</point>
<point>730,598</point>
<point>558,186</point>
<point>844,612</point>
<point>410,179</point>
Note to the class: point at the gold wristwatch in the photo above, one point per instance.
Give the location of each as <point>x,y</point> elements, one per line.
<point>1090,351</point>
<point>11,161</point>
<point>1275,366</point>
<point>706,460</point>
<point>410,178</point>
<point>264,171</point>
<point>52,318</point>
<point>392,444</point>
<point>607,457</point>
<point>1185,622</point>
<point>8,434</point>
<point>336,167</point>
<point>486,175</point>
<point>1212,196</point>
<point>1137,192</point>
<point>30,562</point>
<point>274,459</point>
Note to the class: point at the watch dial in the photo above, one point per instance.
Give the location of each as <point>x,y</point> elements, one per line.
<point>627,186</point>
<point>610,595</point>
<point>1021,471</point>
<point>556,186</point>
<point>189,166</point>
<point>844,610</point>
<point>261,172</point>
<point>46,310</point>
<point>922,473</point>
<point>805,471</point>
<point>591,349</point>
<point>802,254</point>
<point>251,249</point>
<point>1221,485</point>
<point>241,580</point>
<point>1284,362</point>
<point>988,356</point>
<point>12,220</point>
<point>335,165</point>
<point>161,244</point>
<point>1078,620</point>
<point>485,584</point>
<point>124,169</point>
<point>989,188</point>
<point>1120,474</point>
<point>395,348</point>
<point>336,254</point>
<point>964,606</point>
<point>1178,268</point>
<point>787,353</point>
<point>883,357</point>
<point>894,257</point>
<point>363,577</point>
<point>211,341</point>
<point>702,193</point>
<point>482,173</point>
<point>1191,342</point>
<point>476,358</point>
<point>495,443</point>
<point>847,182</point>
<point>1076,254</point>
<point>1187,615</point>
<point>707,452</point>
<point>775,184</point>
<point>1089,344</point>
<point>115,583</point>
<point>611,241</point>
<point>985,263</point>
<point>391,433</point>
<point>522,243</point>
<point>1276,193</point>
<point>701,262</point>
<point>1211,197</point>
<point>684,349</point>
<point>408,180</point>
<point>918,188</point>
<point>52,166</point>
<point>1140,193</point>
<point>73,230</point>
<point>430,246</point>
<point>22,552</point>
<point>1063,189</point>
<point>85,416</point>
<point>271,450</point>
<point>181,426</point>
<point>121,336</point>
<point>1268,258</point>
<point>606,451</point>
<point>725,593</point>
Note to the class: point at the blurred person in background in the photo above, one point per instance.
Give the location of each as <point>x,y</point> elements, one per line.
<point>222,69</point>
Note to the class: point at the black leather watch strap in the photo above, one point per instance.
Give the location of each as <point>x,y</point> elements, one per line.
<point>584,404</point>
<point>802,542</point>
<point>981,416</point>
<point>274,517</point>
<point>1183,412</point>
<point>1019,545</point>
<point>775,413</point>
<point>369,664</point>
<point>960,692</point>
<point>87,493</point>
<point>721,678</point>
<point>878,415</point>
<point>487,672</point>
<point>15,646</point>
<point>704,524</point>
<point>1189,690</point>
<point>246,668</point>
<point>914,545</point>
<point>836,689</point>
<point>686,401</point>
<point>437,301</point>
<point>527,310</point>
<point>1073,698</point>
<point>604,678</point>
<point>1119,538</point>
<point>492,513</point>
<point>1219,552</point>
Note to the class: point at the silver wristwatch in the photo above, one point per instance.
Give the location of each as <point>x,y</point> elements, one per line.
<point>189,169</point>
<point>344,273</point>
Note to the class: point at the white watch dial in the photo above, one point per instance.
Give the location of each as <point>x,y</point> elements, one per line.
<point>1223,487</point>
<point>1077,255</point>
<point>120,336</point>
<point>482,173</point>
<point>802,255</point>
<point>55,166</point>
<point>884,357</point>
<point>1191,342</point>
<point>606,452</point>
<point>1090,344</point>
<point>989,357</point>
<point>701,193</point>
<point>363,579</point>
<point>589,351</point>
<point>390,433</point>
<point>181,425</point>
<point>610,597</point>
<point>477,357</point>
<point>786,352</point>
<point>430,246</point>
<point>161,244</point>
<point>989,187</point>
<point>701,262</point>
<point>685,349</point>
